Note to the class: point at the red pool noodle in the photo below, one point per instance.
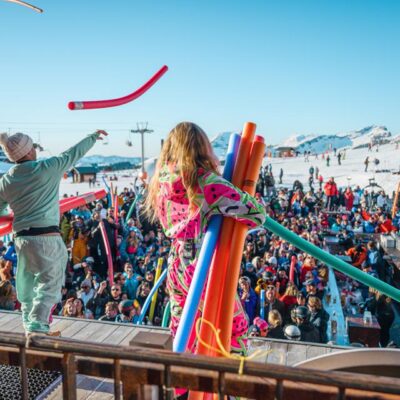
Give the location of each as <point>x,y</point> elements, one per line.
<point>65,205</point>
<point>292,268</point>
<point>108,253</point>
<point>88,105</point>
<point>116,216</point>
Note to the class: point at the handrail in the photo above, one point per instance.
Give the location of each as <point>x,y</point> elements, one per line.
<point>168,359</point>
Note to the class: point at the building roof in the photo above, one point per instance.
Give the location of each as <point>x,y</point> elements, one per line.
<point>87,169</point>
<point>285,148</point>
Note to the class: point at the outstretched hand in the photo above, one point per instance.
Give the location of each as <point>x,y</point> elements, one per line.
<point>101,132</point>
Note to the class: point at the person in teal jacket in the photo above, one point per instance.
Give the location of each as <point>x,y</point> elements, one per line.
<point>31,189</point>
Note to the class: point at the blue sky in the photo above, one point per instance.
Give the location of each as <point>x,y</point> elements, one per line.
<point>292,67</point>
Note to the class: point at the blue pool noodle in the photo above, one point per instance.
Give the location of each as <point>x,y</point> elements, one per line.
<point>262,304</point>
<point>150,296</point>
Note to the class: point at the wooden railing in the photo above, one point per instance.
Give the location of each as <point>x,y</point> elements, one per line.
<point>134,368</point>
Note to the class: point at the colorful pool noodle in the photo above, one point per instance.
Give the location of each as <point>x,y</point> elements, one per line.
<point>160,263</point>
<point>292,268</point>
<point>132,207</point>
<point>166,316</point>
<point>262,304</point>
<point>196,288</point>
<point>150,296</point>
<point>331,260</point>
<point>108,191</point>
<point>65,205</point>
<point>112,195</point>
<point>25,4</point>
<point>116,209</point>
<point>110,269</point>
<point>218,268</point>
<point>225,318</point>
<point>88,105</point>
<point>82,200</point>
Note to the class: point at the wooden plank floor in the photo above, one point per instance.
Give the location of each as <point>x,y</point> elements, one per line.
<point>88,387</point>
<point>82,329</point>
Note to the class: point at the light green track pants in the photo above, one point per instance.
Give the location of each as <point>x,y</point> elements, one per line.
<point>40,275</point>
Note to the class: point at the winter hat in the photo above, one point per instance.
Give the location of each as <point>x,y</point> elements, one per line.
<point>261,323</point>
<point>273,261</point>
<point>254,330</point>
<point>87,283</point>
<point>126,306</point>
<point>16,146</point>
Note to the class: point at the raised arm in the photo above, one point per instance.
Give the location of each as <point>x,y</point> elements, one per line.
<point>69,157</point>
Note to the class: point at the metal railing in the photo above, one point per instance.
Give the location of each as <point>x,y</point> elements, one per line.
<point>136,367</point>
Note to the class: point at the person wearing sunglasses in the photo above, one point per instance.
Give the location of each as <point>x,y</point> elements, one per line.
<point>272,303</point>
<point>86,293</point>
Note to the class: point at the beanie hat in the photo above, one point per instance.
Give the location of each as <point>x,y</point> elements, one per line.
<point>261,323</point>
<point>16,146</point>
<point>126,306</point>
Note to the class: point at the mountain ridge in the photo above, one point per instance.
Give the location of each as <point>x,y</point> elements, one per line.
<point>318,143</point>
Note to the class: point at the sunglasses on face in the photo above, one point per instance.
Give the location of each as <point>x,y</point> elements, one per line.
<point>85,287</point>
<point>115,289</point>
<point>270,287</point>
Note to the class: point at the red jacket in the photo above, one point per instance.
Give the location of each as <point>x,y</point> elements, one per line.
<point>330,189</point>
<point>386,226</point>
<point>348,199</point>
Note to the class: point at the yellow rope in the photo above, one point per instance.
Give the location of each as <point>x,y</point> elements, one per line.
<point>221,350</point>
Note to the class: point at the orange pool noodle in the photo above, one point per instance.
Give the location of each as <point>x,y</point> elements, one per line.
<point>227,300</point>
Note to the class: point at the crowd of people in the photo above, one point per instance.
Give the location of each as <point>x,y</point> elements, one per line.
<point>294,282</point>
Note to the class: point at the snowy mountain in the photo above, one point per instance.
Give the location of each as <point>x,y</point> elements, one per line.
<point>354,139</point>
<point>220,144</point>
<point>100,160</point>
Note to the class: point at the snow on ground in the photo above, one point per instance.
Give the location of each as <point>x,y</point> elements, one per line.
<point>125,179</point>
<point>296,168</point>
<point>351,171</point>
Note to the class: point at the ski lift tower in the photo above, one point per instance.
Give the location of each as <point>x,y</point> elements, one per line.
<point>142,129</point>
<point>372,184</point>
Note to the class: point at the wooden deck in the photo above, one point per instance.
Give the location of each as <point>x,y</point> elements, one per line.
<point>86,330</point>
<point>82,329</point>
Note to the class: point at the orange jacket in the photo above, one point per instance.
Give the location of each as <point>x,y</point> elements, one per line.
<point>357,258</point>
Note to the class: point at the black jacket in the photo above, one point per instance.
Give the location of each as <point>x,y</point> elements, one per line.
<point>320,321</point>
<point>276,333</point>
<point>309,333</point>
<point>276,305</point>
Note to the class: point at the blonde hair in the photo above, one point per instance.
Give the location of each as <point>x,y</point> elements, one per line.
<point>6,289</point>
<point>274,318</point>
<point>291,289</point>
<point>314,301</point>
<point>187,148</point>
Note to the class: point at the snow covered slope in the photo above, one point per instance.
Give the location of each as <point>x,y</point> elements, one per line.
<point>99,160</point>
<point>355,139</point>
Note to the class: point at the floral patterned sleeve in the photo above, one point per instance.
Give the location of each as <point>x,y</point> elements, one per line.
<point>223,198</point>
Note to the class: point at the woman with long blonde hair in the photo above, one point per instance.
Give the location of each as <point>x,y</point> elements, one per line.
<point>184,193</point>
